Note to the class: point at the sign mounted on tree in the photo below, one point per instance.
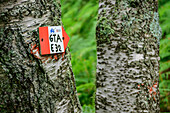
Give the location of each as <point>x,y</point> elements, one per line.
<point>53,39</point>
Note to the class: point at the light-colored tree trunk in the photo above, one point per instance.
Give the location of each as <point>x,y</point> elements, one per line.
<point>29,82</point>
<point>127,35</point>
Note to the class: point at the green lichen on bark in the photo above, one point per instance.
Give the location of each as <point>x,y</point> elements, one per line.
<point>155,28</point>
<point>27,85</point>
<point>104,25</point>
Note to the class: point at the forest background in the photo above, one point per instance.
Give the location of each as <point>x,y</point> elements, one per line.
<point>80,18</point>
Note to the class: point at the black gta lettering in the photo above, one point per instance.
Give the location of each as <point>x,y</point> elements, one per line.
<point>58,38</point>
<point>51,39</point>
<point>54,37</point>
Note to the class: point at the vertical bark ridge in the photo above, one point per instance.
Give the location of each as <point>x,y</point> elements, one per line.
<point>127,34</point>
<point>30,82</point>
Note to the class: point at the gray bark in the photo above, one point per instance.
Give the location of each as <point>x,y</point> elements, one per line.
<point>29,82</point>
<point>127,34</point>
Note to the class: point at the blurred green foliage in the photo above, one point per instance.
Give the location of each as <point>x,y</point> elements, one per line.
<point>164,84</point>
<point>79,18</point>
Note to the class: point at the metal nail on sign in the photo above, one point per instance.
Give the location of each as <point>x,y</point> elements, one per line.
<point>53,39</point>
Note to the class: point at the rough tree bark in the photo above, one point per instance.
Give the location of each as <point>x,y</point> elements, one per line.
<point>127,35</point>
<point>29,82</point>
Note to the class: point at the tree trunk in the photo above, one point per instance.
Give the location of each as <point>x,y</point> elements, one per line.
<point>29,82</point>
<point>127,77</point>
